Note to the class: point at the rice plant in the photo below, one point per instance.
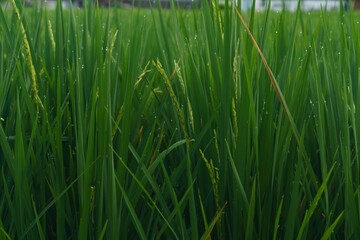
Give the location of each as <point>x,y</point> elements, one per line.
<point>201,123</point>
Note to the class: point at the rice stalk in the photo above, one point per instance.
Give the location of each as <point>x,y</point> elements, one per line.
<point>183,88</point>
<point>174,99</point>
<point>53,43</point>
<point>142,74</point>
<point>235,99</point>
<point>35,90</point>
<point>214,177</point>
<point>271,76</point>
<point>217,146</point>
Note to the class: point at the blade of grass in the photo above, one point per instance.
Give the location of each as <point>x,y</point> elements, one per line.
<point>145,191</point>
<point>330,230</point>
<point>277,219</point>
<point>314,204</point>
<point>134,217</point>
<point>215,220</point>
<point>4,234</point>
<point>43,212</point>
<point>237,179</point>
<point>39,228</point>
<point>251,213</point>
<point>103,231</point>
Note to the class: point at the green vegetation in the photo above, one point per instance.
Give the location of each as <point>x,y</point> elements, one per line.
<point>168,124</point>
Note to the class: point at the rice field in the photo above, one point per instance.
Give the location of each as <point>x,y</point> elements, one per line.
<point>179,123</point>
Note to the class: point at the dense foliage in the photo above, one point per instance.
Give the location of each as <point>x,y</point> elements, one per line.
<point>167,124</point>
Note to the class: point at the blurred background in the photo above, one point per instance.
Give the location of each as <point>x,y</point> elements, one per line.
<point>246,5</point>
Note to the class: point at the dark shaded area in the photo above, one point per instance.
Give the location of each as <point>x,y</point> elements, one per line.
<point>357,4</point>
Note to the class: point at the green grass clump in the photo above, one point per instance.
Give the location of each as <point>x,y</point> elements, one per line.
<point>179,124</point>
